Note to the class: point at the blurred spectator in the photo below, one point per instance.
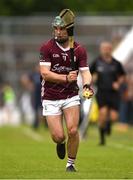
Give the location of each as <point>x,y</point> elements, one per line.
<point>1,96</point>
<point>36,95</point>
<point>126,107</point>
<point>31,97</point>
<point>130,99</point>
<point>19,56</point>
<point>26,105</point>
<point>123,104</point>
<point>9,112</point>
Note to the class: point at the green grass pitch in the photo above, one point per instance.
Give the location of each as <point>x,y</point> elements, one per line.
<point>28,154</point>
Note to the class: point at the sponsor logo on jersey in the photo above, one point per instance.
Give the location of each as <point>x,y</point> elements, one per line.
<point>58,68</point>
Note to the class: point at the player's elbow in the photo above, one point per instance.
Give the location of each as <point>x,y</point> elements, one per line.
<point>45,75</point>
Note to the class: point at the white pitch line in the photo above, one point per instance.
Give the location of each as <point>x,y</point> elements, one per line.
<point>30,133</point>
<point>121,146</point>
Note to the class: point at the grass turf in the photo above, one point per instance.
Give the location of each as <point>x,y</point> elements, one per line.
<point>28,154</point>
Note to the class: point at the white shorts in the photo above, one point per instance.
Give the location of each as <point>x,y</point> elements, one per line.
<point>55,107</point>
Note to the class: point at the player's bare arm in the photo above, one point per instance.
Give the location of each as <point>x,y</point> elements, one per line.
<point>116,85</point>
<point>86,79</point>
<point>57,78</point>
<point>94,77</point>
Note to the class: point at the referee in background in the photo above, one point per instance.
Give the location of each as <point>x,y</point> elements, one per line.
<point>108,74</point>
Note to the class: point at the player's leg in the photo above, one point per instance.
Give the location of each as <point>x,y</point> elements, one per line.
<point>72,120</point>
<point>53,113</point>
<point>57,133</point>
<point>114,115</point>
<point>114,105</point>
<point>56,128</point>
<point>102,98</point>
<point>108,127</point>
<point>103,115</point>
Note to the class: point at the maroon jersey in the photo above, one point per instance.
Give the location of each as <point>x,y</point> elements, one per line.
<point>58,58</point>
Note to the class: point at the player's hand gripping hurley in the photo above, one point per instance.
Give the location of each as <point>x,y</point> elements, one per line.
<point>87,91</point>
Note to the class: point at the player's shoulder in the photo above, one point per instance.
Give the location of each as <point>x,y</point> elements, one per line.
<point>97,60</point>
<point>48,44</point>
<point>116,61</point>
<point>79,47</point>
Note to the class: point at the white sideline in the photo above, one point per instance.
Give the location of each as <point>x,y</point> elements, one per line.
<point>121,146</point>
<point>30,133</point>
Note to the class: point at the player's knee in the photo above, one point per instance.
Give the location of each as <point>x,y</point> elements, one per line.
<point>72,132</point>
<point>102,118</point>
<point>114,117</point>
<point>58,138</point>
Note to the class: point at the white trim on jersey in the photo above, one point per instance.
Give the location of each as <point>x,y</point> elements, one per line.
<point>64,49</point>
<point>45,63</point>
<point>77,47</point>
<point>83,68</point>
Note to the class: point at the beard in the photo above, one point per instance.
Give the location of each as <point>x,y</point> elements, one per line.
<point>61,40</point>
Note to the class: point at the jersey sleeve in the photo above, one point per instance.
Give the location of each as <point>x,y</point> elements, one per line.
<point>45,56</point>
<point>93,67</point>
<point>83,63</point>
<point>121,70</point>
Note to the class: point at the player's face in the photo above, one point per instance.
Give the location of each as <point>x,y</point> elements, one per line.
<point>60,34</point>
<point>106,49</point>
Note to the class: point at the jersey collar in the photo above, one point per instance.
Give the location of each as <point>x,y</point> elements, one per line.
<point>63,49</point>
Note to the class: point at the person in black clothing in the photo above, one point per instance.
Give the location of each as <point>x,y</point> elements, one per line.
<point>108,74</point>
<point>36,95</point>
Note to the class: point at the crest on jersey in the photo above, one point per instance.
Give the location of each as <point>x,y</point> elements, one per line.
<point>64,56</point>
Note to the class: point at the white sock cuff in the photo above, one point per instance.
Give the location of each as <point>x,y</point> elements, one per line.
<point>70,161</point>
